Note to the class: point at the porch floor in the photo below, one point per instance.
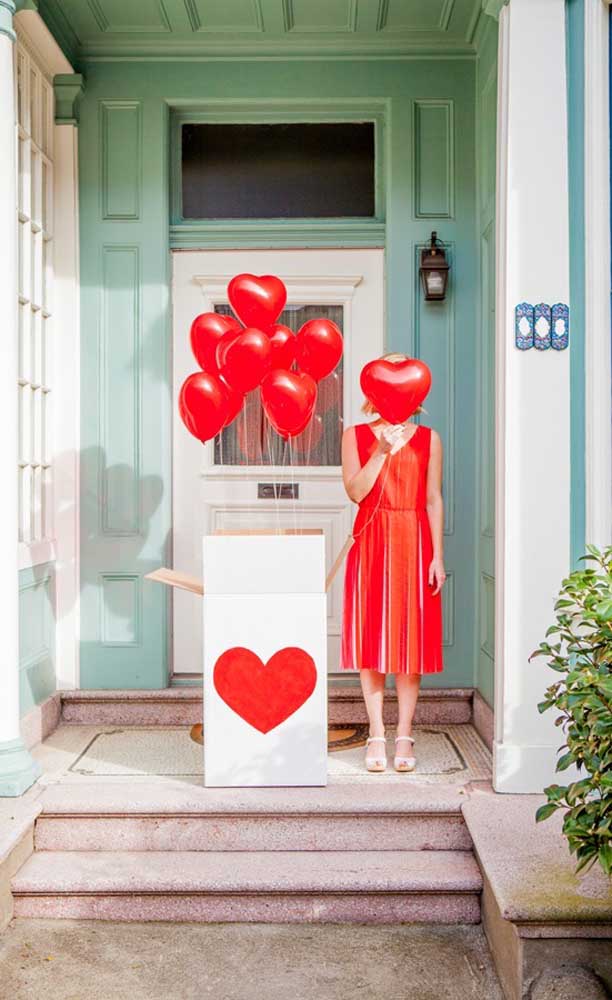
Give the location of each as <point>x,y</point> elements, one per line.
<point>446,755</point>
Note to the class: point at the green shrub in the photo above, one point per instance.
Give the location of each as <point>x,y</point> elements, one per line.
<point>582,655</point>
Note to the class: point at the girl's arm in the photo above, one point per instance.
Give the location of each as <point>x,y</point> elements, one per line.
<point>359,480</point>
<point>435,513</point>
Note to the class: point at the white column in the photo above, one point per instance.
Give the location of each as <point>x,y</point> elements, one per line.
<point>598,445</point>
<point>68,88</point>
<point>533,386</point>
<point>17,769</point>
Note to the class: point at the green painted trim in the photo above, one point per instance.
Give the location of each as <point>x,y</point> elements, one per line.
<point>231,112</point>
<point>7,12</point>
<point>18,771</point>
<point>68,88</point>
<point>574,10</point>
<point>270,234</point>
<point>62,30</point>
<point>493,7</point>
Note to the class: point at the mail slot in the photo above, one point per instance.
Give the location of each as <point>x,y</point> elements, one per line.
<point>278,491</point>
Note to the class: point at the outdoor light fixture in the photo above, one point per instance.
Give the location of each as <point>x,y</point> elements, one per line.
<point>434,270</point>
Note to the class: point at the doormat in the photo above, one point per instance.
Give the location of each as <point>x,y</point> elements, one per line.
<point>339,737</point>
<point>445,754</point>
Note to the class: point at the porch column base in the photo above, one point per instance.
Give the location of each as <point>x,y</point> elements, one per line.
<point>18,771</point>
<point>525,769</point>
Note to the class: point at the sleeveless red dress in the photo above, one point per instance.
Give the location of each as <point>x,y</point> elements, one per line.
<point>391,620</point>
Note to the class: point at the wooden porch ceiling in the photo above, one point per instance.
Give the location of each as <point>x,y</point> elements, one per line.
<point>127,29</point>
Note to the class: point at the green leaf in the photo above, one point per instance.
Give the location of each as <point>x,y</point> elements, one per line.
<point>565,761</point>
<point>545,811</point>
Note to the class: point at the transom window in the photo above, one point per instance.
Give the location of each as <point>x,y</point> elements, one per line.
<point>35,118</point>
<point>280,170</point>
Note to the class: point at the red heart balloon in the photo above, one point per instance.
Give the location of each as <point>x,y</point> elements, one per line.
<point>318,347</point>
<point>395,388</point>
<point>288,399</point>
<point>283,344</point>
<point>234,402</point>
<point>258,301</point>
<point>244,358</point>
<point>203,405</point>
<point>264,695</point>
<point>206,331</point>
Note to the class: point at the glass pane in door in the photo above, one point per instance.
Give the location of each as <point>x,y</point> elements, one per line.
<point>250,440</point>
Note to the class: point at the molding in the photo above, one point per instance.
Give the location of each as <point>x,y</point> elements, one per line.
<point>68,89</point>
<point>300,287</point>
<point>598,443</point>
<point>350,24</point>
<point>270,235</point>
<point>197,26</point>
<point>34,33</point>
<point>493,7</point>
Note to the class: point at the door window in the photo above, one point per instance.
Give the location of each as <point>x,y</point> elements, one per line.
<point>250,440</point>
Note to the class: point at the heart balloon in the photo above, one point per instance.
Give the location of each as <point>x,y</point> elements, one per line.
<point>283,343</point>
<point>234,401</point>
<point>318,347</point>
<point>244,358</point>
<point>395,388</point>
<point>206,331</point>
<point>203,405</point>
<point>288,399</point>
<point>258,301</point>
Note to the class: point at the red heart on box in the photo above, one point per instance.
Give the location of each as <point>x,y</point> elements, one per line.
<point>395,388</point>
<point>265,694</point>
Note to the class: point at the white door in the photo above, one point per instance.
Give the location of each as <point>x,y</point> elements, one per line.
<point>247,477</point>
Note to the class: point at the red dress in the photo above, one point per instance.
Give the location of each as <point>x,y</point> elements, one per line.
<point>391,621</point>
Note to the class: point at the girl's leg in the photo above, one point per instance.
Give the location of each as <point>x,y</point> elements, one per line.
<point>373,688</point>
<point>407,686</point>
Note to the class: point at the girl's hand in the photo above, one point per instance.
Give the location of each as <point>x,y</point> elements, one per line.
<point>437,575</point>
<point>388,438</point>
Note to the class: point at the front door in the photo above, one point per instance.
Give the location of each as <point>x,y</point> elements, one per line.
<point>248,477</point>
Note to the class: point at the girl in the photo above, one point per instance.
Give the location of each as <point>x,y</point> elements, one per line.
<point>394,571</point>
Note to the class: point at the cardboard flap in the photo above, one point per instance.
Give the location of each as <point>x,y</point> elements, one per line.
<point>172,578</point>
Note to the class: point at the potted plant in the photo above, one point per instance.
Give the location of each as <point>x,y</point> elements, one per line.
<point>578,647</point>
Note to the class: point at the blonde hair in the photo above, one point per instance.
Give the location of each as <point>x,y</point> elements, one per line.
<point>394,357</point>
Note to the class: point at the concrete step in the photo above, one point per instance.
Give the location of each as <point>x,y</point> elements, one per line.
<point>183,706</point>
<point>96,816</point>
<point>282,887</point>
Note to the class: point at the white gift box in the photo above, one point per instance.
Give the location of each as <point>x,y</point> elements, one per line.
<point>265,669</point>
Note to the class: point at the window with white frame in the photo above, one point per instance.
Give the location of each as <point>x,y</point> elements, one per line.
<point>35,120</point>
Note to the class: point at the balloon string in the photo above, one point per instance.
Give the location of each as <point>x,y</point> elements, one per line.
<point>293,485</point>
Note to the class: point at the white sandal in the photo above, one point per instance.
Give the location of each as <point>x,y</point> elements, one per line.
<point>375,763</point>
<point>404,763</point>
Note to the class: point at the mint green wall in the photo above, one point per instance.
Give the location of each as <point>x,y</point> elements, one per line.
<point>429,181</point>
<point>486,119</point>
<point>36,636</point>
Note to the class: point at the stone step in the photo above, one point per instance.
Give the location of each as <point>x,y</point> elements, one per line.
<point>183,706</point>
<point>96,816</point>
<point>286,886</point>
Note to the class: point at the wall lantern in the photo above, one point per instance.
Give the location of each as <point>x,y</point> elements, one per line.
<point>434,270</point>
